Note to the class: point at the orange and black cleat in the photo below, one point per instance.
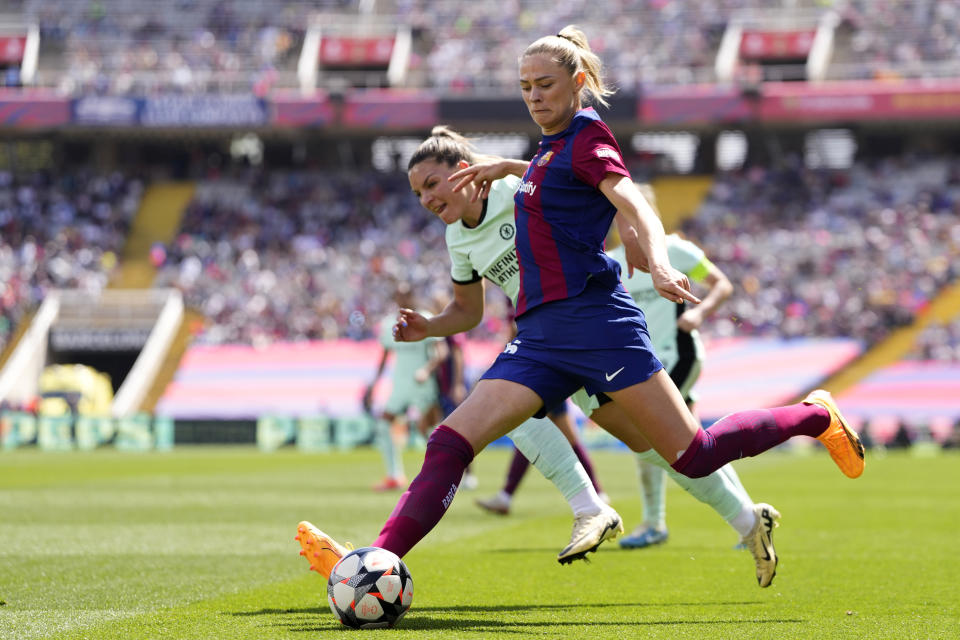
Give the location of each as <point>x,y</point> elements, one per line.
<point>320,550</point>
<point>841,441</point>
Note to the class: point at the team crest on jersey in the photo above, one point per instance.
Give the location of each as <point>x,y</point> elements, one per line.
<point>607,152</point>
<point>545,159</point>
<point>506,231</point>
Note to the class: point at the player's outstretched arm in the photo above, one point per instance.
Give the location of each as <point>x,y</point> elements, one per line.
<point>463,313</point>
<point>484,172</point>
<point>650,238</point>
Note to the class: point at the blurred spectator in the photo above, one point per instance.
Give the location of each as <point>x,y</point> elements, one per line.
<point>138,47</point>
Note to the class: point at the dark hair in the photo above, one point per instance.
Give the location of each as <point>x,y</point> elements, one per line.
<point>570,50</point>
<point>444,145</point>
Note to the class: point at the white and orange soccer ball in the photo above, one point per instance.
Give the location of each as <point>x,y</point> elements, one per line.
<point>370,588</point>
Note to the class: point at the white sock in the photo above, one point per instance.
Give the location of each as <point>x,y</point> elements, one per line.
<point>721,489</point>
<point>654,487</point>
<point>743,522</point>
<point>504,496</point>
<point>586,502</point>
<point>547,449</point>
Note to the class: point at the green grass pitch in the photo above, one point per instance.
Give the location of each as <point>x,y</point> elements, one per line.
<point>198,543</point>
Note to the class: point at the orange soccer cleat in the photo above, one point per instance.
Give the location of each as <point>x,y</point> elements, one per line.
<point>320,550</point>
<point>841,441</point>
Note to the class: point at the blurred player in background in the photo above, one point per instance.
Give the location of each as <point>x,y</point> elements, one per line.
<point>414,397</point>
<point>576,324</point>
<point>449,369</point>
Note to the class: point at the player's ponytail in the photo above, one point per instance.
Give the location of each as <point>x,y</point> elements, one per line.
<point>570,49</point>
<point>443,146</point>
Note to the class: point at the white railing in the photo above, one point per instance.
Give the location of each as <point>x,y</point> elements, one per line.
<point>20,377</point>
<point>137,384</point>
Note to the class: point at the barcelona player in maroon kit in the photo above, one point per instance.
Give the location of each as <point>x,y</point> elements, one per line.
<point>576,325</point>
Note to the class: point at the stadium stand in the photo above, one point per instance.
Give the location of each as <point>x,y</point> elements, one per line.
<point>813,253</point>
<point>940,342</point>
<point>308,255</point>
<point>833,253</point>
<point>130,46</point>
<point>61,231</point>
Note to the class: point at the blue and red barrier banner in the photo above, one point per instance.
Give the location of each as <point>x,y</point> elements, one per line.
<point>31,108</point>
<point>792,102</point>
<point>390,109</point>
<point>294,109</point>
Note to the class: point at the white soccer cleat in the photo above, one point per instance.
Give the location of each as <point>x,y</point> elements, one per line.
<point>760,542</point>
<point>494,504</point>
<point>589,532</point>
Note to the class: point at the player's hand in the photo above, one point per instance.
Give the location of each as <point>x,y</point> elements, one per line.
<point>410,326</point>
<point>690,320</point>
<point>481,174</point>
<point>672,285</point>
<point>421,375</point>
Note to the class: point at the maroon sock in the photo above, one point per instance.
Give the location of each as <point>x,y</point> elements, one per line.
<point>749,433</point>
<point>518,468</point>
<point>431,492</point>
<point>587,465</point>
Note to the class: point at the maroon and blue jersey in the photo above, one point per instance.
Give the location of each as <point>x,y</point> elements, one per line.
<point>592,334</point>
<point>562,218</point>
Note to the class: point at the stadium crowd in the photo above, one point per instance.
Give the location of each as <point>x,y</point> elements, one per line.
<point>298,255</point>
<point>132,46</point>
<point>939,341</point>
<point>927,38</point>
<point>136,47</point>
<point>62,230</point>
<point>832,253</point>
<point>811,252</point>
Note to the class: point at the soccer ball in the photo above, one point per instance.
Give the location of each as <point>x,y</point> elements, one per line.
<point>370,588</point>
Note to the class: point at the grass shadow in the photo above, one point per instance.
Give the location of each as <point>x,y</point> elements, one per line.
<point>431,623</point>
<point>501,608</point>
<point>463,617</point>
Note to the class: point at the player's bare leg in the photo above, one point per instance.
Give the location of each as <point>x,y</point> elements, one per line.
<point>493,409</point>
